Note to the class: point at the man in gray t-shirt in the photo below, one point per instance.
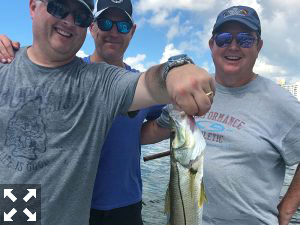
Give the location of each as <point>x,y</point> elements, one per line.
<point>252,131</point>
<point>56,110</point>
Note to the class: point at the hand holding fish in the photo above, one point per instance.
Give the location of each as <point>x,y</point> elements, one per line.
<point>190,93</point>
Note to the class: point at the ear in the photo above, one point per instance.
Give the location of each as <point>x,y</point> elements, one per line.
<point>259,45</point>
<point>32,7</point>
<point>211,43</point>
<point>132,30</point>
<point>93,29</point>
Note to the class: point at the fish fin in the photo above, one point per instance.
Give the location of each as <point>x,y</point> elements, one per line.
<point>202,198</point>
<point>167,202</point>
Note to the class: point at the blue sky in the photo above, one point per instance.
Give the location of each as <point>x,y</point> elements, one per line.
<point>168,27</point>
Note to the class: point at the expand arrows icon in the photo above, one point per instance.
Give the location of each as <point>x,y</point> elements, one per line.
<point>31,193</point>
<point>8,216</point>
<point>8,193</point>
<point>31,217</point>
<point>31,213</point>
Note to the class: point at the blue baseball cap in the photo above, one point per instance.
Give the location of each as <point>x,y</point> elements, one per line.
<point>242,14</point>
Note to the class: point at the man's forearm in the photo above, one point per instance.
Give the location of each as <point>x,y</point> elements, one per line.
<point>152,133</point>
<point>291,201</point>
<point>151,89</point>
<point>156,85</point>
<point>186,86</point>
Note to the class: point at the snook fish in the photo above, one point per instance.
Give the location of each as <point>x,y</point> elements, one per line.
<point>185,195</point>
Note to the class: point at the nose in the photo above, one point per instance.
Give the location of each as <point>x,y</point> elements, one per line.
<point>234,45</point>
<point>69,19</point>
<point>114,30</point>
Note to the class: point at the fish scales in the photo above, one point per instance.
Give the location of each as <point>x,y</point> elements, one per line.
<point>185,194</point>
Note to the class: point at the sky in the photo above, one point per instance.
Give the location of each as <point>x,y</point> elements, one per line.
<point>170,27</point>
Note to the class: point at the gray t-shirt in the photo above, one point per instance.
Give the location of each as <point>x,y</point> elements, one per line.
<point>252,133</point>
<point>53,123</point>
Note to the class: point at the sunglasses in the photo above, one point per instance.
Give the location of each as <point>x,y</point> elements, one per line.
<point>244,40</point>
<point>82,18</point>
<point>123,27</point>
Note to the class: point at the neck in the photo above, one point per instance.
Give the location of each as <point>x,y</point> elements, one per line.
<point>39,57</point>
<point>234,80</point>
<point>96,58</point>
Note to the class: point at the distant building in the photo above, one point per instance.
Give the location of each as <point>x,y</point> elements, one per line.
<point>294,89</point>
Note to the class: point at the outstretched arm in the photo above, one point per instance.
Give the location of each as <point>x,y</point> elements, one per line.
<point>291,200</point>
<point>7,48</point>
<point>185,86</point>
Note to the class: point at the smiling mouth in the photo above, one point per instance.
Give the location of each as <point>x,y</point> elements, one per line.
<point>112,42</point>
<point>63,33</point>
<point>233,58</point>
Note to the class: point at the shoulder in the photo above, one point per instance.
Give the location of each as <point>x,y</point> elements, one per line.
<point>274,90</point>
<point>279,98</point>
<point>85,66</point>
<point>87,59</point>
<point>127,67</point>
<point>19,57</point>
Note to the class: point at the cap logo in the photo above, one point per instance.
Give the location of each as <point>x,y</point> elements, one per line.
<point>117,1</point>
<point>236,12</point>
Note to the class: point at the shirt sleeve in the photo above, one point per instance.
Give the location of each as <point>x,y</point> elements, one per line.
<point>116,86</point>
<point>164,121</point>
<point>291,145</point>
<point>154,112</point>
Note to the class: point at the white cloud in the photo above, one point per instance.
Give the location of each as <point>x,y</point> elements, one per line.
<point>169,51</point>
<point>279,19</point>
<point>157,5</point>
<point>136,62</point>
<point>209,66</point>
<point>159,19</point>
<point>251,3</point>
<point>265,68</point>
<point>81,54</point>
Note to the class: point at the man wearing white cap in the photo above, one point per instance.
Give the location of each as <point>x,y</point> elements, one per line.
<point>117,195</point>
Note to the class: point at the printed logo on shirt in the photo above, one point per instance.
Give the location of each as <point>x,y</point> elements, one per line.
<point>20,204</point>
<point>213,125</point>
<point>26,133</point>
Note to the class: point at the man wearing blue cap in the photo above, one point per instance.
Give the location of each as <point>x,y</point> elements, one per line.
<point>117,194</point>
<point>252,131</point>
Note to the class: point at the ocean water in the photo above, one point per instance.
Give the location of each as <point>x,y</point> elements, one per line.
<point>155,174</point>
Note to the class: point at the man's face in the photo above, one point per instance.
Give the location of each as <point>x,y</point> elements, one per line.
<point>111,45</point>
<point>59,38</point>
<point>233,59</point>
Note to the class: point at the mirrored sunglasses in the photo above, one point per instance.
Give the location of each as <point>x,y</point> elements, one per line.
<point>106,25</point>
<point>82,18</point>
<point>244,40</point>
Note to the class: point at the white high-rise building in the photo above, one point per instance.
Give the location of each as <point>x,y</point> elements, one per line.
<point>294,89</point>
